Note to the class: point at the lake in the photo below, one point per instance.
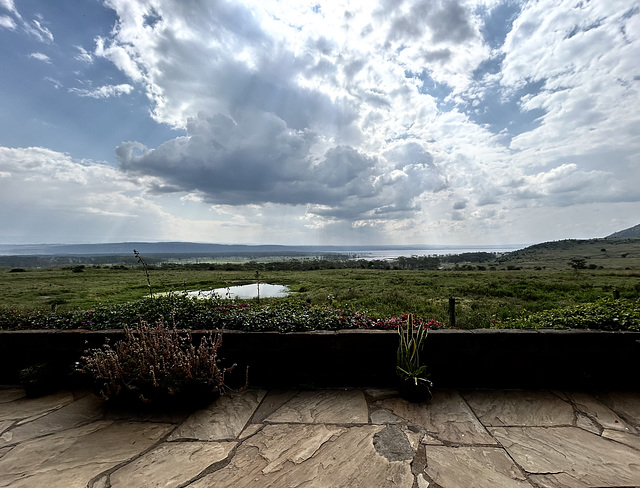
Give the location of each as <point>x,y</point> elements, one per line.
<point>391,253</point>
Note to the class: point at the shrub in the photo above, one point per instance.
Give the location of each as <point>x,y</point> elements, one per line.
<point>203,314</point>
<point>604,314</point>
<point>157,363</point>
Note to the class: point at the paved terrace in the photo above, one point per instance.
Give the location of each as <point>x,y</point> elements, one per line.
<point>325,438</point>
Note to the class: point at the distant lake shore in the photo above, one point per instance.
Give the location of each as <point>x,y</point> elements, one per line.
<point>126,248</point>
<point>390,253</point>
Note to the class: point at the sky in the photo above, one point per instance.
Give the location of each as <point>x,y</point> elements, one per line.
<point>342,122</point>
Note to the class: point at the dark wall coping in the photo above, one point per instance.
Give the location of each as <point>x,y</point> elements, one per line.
<point>479,358</point>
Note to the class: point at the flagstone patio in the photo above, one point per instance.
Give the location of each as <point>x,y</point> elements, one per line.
<point>325,438</point>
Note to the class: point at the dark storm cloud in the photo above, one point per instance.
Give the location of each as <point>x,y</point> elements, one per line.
<point>257,159</point>
<point>254,159</point>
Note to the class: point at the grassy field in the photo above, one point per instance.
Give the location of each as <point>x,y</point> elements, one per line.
<point>530,280</point>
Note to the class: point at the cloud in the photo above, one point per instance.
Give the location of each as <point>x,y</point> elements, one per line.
<point>41,32</point>
<point>460,205</point>
<point>36,28</point>
<point>574,53</point>
<point>567,185</point>
<point>363,121</point>
<point>41,57</point>
<point>258,159</point>
<point>83,55</point>
<point>35,179</point>
<point>238,66</point>
<point>7,22</point>
<point>62,199</point>
<point>252,159</point>
<point>56,83</point>
<point>372,119</point>
<point>106,91</point>
<point>260,129</point>
<point>10,6</point>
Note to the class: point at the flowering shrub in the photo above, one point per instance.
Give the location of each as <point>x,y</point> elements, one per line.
<point>156,363</point>
<point>185,312</point>
<point>604,314</point>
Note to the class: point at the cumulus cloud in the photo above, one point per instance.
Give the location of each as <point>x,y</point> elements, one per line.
<point>426,117</point>
<point>63,199</point>
<point>258,159</point>
<point>106,91</point>
<point>271,118</point>
<point>347,121</point>
<point>35,179</point>
<point>575,52</point>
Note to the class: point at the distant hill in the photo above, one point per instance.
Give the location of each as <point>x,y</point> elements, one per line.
<point>606,252</point>
<point>126,248</point>
<point>630,233</point>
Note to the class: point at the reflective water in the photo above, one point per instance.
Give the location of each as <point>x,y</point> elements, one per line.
<point>245,291</point>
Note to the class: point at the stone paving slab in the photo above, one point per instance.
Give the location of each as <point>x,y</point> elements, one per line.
<point>11,394</point>
<point>4,425</point>
<point>313,456</point>
<point>222,420</point>
<point>447,417</point>
<point>71,458</point>
<point>326,438</point>
<point>625,404</point>
<point>170,465</point>
<point>324,406</point>
<point>602,415</point>
<point>71,415</point>
<point>495,408</point>
<point>24,409</point>
<point>485,467</point>
<point>570,457</point>
<point>623,438</point>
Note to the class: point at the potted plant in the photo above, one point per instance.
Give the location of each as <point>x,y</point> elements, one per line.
<point>415,385</point>
<point>39,380</point>
<point>158,365</point>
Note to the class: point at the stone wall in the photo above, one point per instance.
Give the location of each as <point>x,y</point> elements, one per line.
<point>456,358</point>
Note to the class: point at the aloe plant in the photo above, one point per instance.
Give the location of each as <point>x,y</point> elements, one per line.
<point>411,343</point>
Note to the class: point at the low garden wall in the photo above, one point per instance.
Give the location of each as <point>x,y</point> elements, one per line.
<point>481,358</point>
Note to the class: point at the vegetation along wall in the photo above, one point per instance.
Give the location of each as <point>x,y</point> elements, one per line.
<point>481,358</point>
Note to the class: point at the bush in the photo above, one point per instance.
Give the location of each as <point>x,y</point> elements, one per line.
<point>157,363</point>
<point>201,314</point>
<point>604,314</point>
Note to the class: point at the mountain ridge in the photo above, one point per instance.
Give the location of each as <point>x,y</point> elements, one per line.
<point>630,233</point>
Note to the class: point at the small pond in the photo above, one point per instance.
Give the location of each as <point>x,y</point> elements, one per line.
<point>245,291</point>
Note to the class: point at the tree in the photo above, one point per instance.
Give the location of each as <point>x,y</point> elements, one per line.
<point>578,263</point>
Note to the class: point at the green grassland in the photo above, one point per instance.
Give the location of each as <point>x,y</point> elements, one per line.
<point>530,280</point>
<point>611,254</point>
